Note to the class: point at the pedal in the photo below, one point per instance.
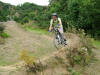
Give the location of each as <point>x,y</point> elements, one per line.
<point>65,42</point>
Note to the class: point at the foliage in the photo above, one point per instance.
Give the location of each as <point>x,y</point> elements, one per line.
<point>81,14</point>
<point>73,72</point>
<point>31,12</point>
<point>1,28</point>
<point>83,54</point>
<point>4,35</point>
<point>1,32</point>
<point>25,20</point>
<point>29,60</point>
<point>85,40</point>
<point>96,43</point>
<point>30,64</point>
<point>16,18</point>
<point>6,11</point>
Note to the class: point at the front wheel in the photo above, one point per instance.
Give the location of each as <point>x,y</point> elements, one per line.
<point>57,42</point>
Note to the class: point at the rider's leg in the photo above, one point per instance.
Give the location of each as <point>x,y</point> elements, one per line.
<point>61,31</point>
<point>62,34</point>
<point>64,39</point>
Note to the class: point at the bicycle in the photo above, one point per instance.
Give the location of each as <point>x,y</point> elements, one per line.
<point>59,41</point>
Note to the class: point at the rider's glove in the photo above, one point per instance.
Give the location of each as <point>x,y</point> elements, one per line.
<point>49,31</point>
<point>58,24</point>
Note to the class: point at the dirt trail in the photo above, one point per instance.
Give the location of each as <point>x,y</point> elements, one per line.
<point>24,40</point>
<point>20,40</point>
<point>20,64</point>
<point>20,36</point>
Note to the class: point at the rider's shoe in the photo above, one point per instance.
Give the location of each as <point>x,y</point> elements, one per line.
<point>65,42</point>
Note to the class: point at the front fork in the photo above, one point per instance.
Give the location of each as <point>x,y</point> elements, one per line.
<point>59,38</point>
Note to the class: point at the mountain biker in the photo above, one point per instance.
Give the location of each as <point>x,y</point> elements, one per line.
<point>56,22</point>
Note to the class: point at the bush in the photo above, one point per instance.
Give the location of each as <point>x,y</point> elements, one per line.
<point>16,18</point>
<point>4,35</point>
<point>29,60</point>
<point>1,28</point>
<point>30,64</point>
<point>25,20</point>
<point>85,40</point>
<point>83,54</point>
<point>73,72</point>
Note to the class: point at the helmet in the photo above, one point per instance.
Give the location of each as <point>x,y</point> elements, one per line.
<point>54,14</point>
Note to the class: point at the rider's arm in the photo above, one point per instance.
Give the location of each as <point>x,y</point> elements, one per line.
<point>51,23</point>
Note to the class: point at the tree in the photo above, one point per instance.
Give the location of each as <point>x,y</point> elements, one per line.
<point>81,14</point>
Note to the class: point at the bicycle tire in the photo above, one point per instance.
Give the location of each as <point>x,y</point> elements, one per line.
<point>56,43</point>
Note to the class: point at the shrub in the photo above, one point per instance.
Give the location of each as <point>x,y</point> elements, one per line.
<point>1,28</point>
<point>30,64</point>
<point>29,60</point>
<point>16,18</point>
<point>86,41</point>
<point>73,72</point>
<point>83,54</point>
<point>4,35</point>
<point>25,20</point>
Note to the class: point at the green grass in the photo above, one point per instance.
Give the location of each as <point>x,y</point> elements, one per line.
<point>36,30</point>
<point>4,63</point>
<point>4,35</point>
<point>96,43</point>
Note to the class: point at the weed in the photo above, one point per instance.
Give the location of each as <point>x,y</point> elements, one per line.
<point>37,30</point>
<point>4,35</point>
<point>1,28</point>
<point>83,54</point>
<point>30,64</point>
<point>73,72</point>
<point>96,43</point>
<point>29,60</point>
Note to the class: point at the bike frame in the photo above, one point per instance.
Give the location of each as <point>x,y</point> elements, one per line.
<point>58,39</point>
<point>57,34</point>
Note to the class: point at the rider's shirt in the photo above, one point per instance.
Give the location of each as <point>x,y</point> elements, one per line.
<point>56,23</point>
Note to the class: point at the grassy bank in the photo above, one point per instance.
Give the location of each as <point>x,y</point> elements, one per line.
<point>96,43</point>
<point>36,30</point>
